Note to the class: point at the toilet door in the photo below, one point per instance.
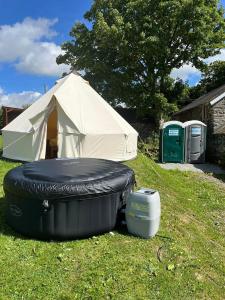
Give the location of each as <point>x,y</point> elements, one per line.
<point>195,144</point>
<point>173,144</point>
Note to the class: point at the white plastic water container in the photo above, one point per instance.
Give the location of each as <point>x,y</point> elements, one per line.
<point>143,212</point>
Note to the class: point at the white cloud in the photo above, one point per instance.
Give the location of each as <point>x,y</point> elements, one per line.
<point>220,56</point>
<point>41,60</point>
<point>17,99</point>
<point>26,45</point>
<point>189,72</point>
<point>186,72</point>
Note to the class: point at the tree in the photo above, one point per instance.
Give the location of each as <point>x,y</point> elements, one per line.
<point>1,118</point>
<point>131,46</point>
<point>212,78</point>
<point>176,91</point>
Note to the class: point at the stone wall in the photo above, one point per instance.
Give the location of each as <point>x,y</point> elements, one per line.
<point>218,115</point>
<point>216,148</point>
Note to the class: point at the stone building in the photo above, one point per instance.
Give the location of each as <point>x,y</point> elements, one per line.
<point>210,109</point>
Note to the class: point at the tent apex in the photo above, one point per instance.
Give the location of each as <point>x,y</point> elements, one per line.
<point>75,72</point>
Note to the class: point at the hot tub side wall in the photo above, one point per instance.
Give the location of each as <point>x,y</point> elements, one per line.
<point>65,218</point>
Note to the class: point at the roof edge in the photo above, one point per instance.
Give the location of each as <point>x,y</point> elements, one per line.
<point>217,99</point>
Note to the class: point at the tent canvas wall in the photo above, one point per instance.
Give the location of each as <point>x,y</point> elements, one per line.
<point>87,126</point>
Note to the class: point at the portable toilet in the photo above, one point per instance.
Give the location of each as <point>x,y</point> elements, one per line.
<point>172,142</point>
<point>195,141</point>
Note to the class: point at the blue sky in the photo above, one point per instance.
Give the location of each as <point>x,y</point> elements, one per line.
<point>33,29</point>
<point>31,32</point>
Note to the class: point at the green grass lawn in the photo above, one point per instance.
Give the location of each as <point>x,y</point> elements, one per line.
<point>186,260</point>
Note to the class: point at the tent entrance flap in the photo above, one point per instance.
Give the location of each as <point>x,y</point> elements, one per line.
<point>52,135</point>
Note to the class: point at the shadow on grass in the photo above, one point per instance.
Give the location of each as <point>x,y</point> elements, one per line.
<point>7,159</point>
<point>122,229</point>
<point>220,177</point>
<point>4,228</point>
<point>2,158</point>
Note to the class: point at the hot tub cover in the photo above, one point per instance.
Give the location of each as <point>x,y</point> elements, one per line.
<point>81,178</point>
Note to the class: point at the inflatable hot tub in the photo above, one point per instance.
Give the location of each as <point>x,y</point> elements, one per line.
<point>66,198</point>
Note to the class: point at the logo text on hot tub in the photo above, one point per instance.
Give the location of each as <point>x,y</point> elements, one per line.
<point>15,210</point>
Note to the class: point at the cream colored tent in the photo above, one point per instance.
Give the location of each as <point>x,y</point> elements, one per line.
<point>74,119</point>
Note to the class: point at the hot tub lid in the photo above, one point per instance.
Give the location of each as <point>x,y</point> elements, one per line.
<point>73,170</point>
<point>80,177</point>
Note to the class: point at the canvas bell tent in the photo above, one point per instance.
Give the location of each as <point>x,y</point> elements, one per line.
<point>70,120</point>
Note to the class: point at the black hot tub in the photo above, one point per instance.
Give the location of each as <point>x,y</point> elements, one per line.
<point>66,198</point>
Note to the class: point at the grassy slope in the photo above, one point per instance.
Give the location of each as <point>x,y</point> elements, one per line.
<point>191,242</point>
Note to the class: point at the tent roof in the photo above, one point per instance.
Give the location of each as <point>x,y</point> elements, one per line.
<point>86,109</point>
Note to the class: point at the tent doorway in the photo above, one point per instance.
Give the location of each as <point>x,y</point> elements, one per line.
<point>52,134</point>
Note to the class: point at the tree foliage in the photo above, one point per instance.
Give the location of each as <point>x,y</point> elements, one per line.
<point>212,78</point>
<point>1,117</point>
<point>130,47</point>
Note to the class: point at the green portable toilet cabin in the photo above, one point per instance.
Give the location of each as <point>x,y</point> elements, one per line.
<point>172,142</point>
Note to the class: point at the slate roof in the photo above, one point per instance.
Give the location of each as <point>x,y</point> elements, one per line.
<point>204,99</point>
